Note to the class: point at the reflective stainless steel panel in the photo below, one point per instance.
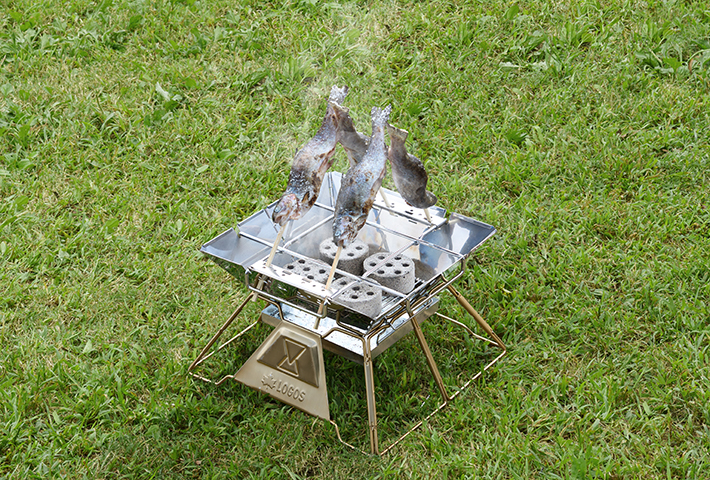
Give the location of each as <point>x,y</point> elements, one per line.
<point>460,234</point>
<point>345,345</point>
<point>396,228</point>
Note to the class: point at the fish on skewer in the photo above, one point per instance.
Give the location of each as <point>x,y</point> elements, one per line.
<point>307,171</point>
<point>310,165</point>
<point>408,171</point>
<point>354,143</point>
<point>361,183</point>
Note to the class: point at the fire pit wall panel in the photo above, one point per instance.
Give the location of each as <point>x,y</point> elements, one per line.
<point>234,253</point>
<point>308,244</point>
<point>404,225</point>
<point>315,216</point>
<point>259,227</point>
<point>460,234</point>
<point>396,229</point>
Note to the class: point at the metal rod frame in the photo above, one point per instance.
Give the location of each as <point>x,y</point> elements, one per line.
<point>366,338</point>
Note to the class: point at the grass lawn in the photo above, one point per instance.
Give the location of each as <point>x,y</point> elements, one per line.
<point>133,131</point>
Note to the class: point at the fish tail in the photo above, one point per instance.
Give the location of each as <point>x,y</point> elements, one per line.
<point>380,116</point>
<point>397,133</point>
<point>337,94</point>
<point>340,111</point>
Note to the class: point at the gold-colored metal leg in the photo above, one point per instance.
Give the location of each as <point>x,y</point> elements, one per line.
<point>429,358</point>
<point>370,394</point>
<point>481,322</point>
<point>493,339</point>
<point>203,354</point>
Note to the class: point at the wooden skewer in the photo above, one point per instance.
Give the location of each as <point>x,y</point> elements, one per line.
<point>428,217</point>
<point>332,269</point>
<point>271,258</point>
<point>276,245</point>
<point>330,278</point>
<point>384,198</point>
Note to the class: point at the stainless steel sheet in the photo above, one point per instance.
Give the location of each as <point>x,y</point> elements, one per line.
<point>435,246</point>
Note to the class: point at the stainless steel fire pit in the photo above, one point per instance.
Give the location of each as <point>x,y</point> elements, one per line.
<point>308,318</point>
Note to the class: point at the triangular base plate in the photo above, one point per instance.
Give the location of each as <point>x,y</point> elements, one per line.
<point>289,367</point>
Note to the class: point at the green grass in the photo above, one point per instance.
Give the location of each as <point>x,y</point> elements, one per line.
<point>133,132</point>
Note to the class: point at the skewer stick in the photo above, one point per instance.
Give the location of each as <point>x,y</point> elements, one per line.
<point>332,269</point>
<point>384,198</point>
<point>330,279</point>
<point>271,258</point>
<point>428,217</point>
<point>276,244</point>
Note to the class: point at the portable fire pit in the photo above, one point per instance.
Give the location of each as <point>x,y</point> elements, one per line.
<point>408,261</point>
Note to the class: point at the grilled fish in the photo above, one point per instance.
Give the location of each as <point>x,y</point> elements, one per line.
<point>360,185</point>
<point>354,143</point>
<point>408,171</point>
<point>310,164</point>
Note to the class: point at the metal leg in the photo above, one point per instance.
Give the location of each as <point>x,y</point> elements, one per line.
<point>203,354</point>
<point>481,322</point>
<point>370,393</point>
<point>493,340</point>
<point>429,358</point>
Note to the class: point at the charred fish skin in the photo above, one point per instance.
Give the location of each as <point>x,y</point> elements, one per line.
<point>354,143</point>
<point>408,172</point>
<point>361,183</point>
<point>310,164</point>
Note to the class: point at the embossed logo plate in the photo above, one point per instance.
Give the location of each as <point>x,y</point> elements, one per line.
<point>289,367</point>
